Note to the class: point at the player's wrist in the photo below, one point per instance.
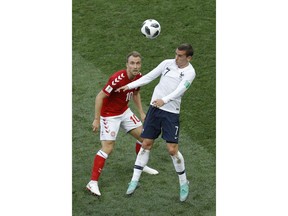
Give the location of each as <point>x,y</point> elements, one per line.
<point>128,86</point>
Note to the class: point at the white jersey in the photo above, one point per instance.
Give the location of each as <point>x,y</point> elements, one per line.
<point>173,83</point>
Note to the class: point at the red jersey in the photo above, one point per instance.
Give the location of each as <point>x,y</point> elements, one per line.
<point>117,102</point>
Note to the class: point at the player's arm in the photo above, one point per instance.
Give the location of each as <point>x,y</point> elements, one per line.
<point>147,78</point>
<point>182,87</point>
<point>98,106</point>
<point>138,104</point>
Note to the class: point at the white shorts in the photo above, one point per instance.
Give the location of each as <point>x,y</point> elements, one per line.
<point>110,125</point>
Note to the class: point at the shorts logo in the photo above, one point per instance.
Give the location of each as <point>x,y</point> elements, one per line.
<point>113,133</point>
<point>108,89</point>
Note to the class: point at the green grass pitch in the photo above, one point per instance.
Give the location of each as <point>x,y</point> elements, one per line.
<point>104,32</point>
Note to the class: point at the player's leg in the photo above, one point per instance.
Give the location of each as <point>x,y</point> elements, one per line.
<point>109,129</point>
<point>170,134</point>
<point>178,162</point>
<point>179,165</point>
<point>132,125</point>
<point>141,161</point>
<point>136,132</point>
<point>152,129</point>
<point>98,164</point>
<point>138,145</point>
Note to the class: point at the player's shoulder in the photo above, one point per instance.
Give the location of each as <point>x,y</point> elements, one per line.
<point>168,61</point>
<point>117,78</point>
<point>190,70</point>
<point>118,74</point>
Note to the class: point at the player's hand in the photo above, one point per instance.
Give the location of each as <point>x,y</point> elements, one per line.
<point>158,103</point>
<point>95,125</point>
<point>124,88</point>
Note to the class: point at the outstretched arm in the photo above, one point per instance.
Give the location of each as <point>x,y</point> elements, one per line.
<point>156,72</point>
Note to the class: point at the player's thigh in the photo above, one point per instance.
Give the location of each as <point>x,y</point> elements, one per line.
<point>109,127</point>
<point>170,127</point>
<point>152,124</point>
<point>136,133</point>
<point>130,121</point>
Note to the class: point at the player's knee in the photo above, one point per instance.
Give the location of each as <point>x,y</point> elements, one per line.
<point>172,149</point>
<point>172,152</point>
<point>107,147</point>
<point>147,144</point>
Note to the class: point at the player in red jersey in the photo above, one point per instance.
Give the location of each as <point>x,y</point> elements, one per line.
<point>112,112</point>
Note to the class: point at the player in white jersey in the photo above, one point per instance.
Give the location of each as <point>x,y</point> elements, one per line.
<point>163,114</point>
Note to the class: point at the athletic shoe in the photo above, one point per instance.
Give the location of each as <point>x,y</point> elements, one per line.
<point>132,187</point>
<point>150,171</point>
<point>184,191</point>
<point>92,186</point>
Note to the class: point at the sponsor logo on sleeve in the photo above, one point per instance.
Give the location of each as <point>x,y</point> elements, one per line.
<point>108,89</point>
<point>187,84</point>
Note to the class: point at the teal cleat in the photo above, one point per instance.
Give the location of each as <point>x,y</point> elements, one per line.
<point>132,187</point>
<point>184,191</point>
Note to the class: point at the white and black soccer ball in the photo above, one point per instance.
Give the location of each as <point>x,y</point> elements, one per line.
<point>151,28</point>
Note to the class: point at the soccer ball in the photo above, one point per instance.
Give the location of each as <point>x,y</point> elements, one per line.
<point>151,28</point>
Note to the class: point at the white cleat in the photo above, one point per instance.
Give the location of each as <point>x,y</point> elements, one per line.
<point>92,186</point>
<point>150,171</point>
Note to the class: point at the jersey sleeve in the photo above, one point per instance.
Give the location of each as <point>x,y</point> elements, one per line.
<point>109,87</point>
<point>138,77</point>
<point>147,78</point>
<point>182,87</point>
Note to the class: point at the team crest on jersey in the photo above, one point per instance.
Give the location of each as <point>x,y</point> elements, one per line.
<point>108,89</point>
<point>118,79</point>
<point>113,133</point>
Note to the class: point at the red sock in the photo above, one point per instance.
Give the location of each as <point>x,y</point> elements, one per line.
<point>97,167</point>
<point>137,147</point>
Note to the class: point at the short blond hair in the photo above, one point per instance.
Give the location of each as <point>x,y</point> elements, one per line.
<point>134,54</point>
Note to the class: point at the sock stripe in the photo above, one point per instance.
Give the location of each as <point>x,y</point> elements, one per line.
<point>138,167</point>
<point>181,173</point>
<point>102,154</point>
